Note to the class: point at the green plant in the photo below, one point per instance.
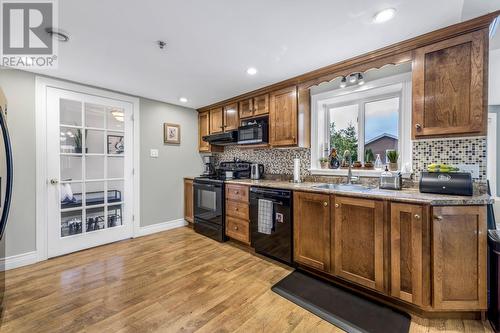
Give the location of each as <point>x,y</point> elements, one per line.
<point>392,156</point>
<point>323,159</point>
<point>369,155</point>
<point>344,139</point>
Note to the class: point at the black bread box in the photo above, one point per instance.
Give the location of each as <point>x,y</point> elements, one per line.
<point>454,183</point>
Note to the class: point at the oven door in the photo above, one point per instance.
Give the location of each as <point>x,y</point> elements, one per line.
<point>208,202</point>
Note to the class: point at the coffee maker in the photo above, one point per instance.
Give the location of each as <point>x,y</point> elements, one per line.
<point>208,166</point>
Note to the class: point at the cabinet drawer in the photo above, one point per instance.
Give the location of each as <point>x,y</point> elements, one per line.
<point>237,192</point>
<point>237,209</point>
<point>238,229</point>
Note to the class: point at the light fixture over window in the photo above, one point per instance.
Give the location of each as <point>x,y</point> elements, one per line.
<point>361,79</point>
<point>384,15</point>
<point>343,82</point>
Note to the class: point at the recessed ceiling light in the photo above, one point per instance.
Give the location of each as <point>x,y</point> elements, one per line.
<point>252,71</point>
<point>58,34</point>
<point>183,100</point>
<point>384,15</point>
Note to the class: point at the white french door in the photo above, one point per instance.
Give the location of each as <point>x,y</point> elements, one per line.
<point>89,169</point>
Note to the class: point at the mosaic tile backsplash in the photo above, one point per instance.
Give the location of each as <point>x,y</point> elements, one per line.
<point>470,151</point>
<point>449,151</point>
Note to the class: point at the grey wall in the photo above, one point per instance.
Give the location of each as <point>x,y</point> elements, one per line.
<point>19,88</point>
<point>161,179</point>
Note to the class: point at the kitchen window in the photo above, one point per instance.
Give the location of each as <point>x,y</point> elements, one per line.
<point>374,117</point>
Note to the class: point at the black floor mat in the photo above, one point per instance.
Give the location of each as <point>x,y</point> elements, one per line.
<point>340,307</point>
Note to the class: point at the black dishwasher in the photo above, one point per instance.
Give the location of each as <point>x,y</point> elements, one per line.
<point>278,243</point>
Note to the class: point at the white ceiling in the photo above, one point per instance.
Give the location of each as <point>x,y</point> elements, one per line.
<point>212,43</point>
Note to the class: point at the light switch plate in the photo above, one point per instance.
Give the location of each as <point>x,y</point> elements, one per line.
<point>473,169</point>
<point>153,153</point>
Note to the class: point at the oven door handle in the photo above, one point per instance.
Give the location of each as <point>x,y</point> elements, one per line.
<point>204,186</point>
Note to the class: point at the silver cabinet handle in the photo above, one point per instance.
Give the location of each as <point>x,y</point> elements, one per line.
<point>438,217</point>
<point>337,205</point>
<point>417,216</point>
<point>418,126</point>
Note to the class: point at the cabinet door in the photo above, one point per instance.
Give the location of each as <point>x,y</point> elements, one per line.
<point>459,258</point>
<point>261,105</point>
<point>449,87</point>
<point>246,108</point>
<point>231,117</point>
<point>359,241</point>
<point>311,224</point>
<point>216,118</point>
<point>203,130</point>
<point>407,247</point>
<point>283,117</point>
<point>188,200</point>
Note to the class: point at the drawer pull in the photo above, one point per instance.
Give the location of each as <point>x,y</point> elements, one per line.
<point>418,126</point>
<point>235,228</point>
<point>438,217</point>
<point>417,217</point>
<point>337,205</point>
<point>237,209</point>
<point>236,192</point>
<point>325,203</point>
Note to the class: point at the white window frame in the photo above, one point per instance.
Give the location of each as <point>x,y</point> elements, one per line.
<point>393,86</point>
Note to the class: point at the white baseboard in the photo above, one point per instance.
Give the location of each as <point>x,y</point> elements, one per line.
<point>154,228</point>
<point>18,260</point>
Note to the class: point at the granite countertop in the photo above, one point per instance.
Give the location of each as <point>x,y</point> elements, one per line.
<point>411,195</point>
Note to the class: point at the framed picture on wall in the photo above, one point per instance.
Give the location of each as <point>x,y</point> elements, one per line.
<point>116,144</point>
<point>171,133</point>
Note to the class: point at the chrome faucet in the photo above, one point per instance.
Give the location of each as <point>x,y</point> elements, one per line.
<point>350,178</point>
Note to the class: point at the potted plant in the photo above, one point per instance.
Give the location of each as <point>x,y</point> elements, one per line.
<point>324,162</point>
<point>369,159</point>
<point>78,141</point>
<point>393,156</point>
<point>357,164</point>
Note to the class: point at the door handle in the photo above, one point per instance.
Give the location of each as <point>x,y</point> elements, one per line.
<point>54,181</point>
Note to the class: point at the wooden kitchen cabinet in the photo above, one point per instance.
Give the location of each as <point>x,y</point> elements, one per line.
<point>283,126</point>
<point>203,130</point>
<point>410,276</point>
<point>254,107</point>
<point>459,257</point>
<point>231,117</point>
<point>450,87</point>
<point>358,247</point>
<point>311,225</point>
<point>216,121</point>
<point>238,212</point>
<point>188,200</point>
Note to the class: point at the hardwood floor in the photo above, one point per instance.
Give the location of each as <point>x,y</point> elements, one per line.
<point>168,282</point>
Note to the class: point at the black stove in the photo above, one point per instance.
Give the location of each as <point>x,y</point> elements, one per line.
<point>209,198</point>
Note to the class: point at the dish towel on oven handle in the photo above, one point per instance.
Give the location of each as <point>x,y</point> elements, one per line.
<point>265,216</point>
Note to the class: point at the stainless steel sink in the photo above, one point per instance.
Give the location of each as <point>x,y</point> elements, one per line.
<point>343,187</point>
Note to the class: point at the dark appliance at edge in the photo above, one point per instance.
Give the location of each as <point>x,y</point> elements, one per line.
<point>255,131</point>
<point>455,183</point>
<point>222,139</point>
<point>279,244</point>
<point>209,199</point>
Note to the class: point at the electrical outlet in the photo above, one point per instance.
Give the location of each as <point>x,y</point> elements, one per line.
<point>473,169</point>
<point>153,153</point>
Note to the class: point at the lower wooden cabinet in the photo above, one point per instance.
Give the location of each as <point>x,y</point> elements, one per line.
<point>358,247</point>
<point>459,258</point>
<point>410,255</point>
<point>188,200</point>
<point>237,213</point>
<point>311,225</point>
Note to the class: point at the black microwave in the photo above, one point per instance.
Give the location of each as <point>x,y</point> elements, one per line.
<point>253,131</point>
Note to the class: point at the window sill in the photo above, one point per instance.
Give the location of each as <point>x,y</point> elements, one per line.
<point>343,172</point>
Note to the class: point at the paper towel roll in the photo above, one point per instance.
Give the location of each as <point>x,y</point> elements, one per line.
<point>296,170</point>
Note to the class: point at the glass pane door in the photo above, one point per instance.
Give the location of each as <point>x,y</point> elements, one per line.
<point>94,169</point>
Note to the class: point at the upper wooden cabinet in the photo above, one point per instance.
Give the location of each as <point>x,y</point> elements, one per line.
<point>216,121</point>
<point>410,254</point>
<point>311,225</point>
<point>283,126</point>
<point>459,258</point>
<point>254,107</point>
<point>231,117</point>
<point>358,247</point>
<point>203,130</point>
<point>450,87</point>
